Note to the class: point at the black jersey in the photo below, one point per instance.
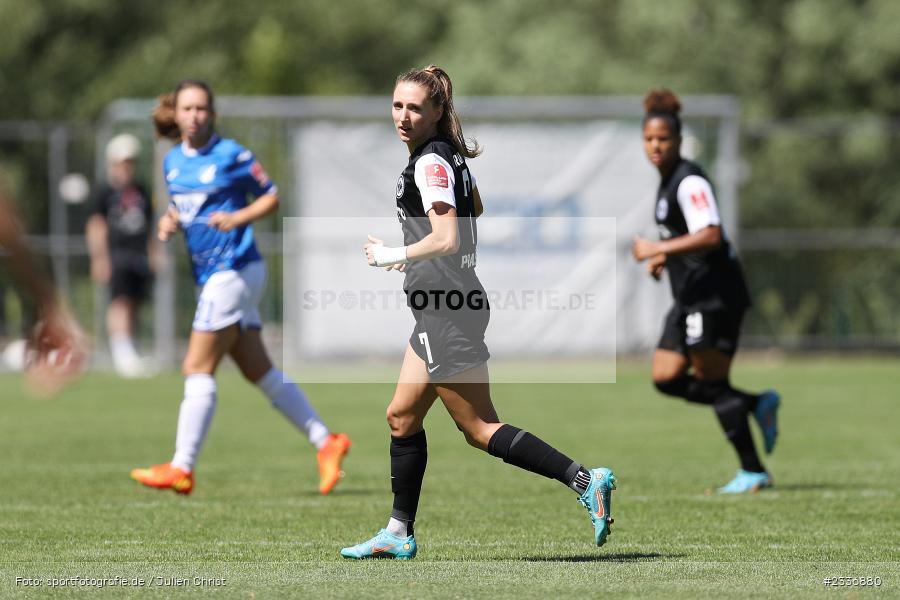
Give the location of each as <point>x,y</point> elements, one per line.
<point>703,281</point>
<point>129,216</point>
<point>438,173</point>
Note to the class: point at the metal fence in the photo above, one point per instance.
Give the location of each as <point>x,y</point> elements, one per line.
<point>815,287</point>
<point>821,251</point>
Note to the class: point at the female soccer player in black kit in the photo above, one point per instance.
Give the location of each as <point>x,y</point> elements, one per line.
<point>437,203</point>
<point>701,331</point>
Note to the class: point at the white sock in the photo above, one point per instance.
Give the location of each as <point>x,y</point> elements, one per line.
<point>290,400</point>
<point>196,414</point>
<point>123,352</point>
<point>397,527</point>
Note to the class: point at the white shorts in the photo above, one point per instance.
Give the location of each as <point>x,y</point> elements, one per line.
<point>230,297</point>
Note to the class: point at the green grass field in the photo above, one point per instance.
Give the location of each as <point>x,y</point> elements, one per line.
<point>485,529</point>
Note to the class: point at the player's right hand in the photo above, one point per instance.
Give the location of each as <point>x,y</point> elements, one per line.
<point>101,270</point>
<point>168,225</point>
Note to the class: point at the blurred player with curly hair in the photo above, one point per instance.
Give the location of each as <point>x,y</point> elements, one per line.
<point>701,331</point>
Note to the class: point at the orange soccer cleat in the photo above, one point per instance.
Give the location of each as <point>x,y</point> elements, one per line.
<point>165,477</point>
<point>330,456</point>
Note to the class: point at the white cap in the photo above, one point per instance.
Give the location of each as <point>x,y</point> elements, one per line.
<point>123,147</point>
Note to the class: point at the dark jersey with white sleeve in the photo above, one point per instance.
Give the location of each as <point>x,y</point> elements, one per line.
<point>437,173</point>
<point>701,281</point>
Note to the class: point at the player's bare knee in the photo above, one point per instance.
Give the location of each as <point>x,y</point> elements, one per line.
<point>249,375</point>
<point>253,373</point>
<point>391,419</point>
<point>470,439</point>
<point>476,435</point>
<point>402,423</point>
<point>713,373</point>
<point>192,366</point>
<point>189,368</point>
<point>665,373</point>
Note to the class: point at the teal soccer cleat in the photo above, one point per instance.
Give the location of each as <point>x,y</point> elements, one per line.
<point>766,414</point>
<point>597,499</point>
<point>384,545</point>
<point>746,482</point>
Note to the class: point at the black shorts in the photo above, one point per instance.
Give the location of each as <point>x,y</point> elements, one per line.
<point>131,278</point>
<point>685,331</point>
<point>450,342</point>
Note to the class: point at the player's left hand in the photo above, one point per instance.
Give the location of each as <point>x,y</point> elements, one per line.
<point>643,249</point>
<point>223,221</point>
<point>656,265</point>
<point>369,249</point>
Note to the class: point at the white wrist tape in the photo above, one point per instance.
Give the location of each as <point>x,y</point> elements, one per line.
<point>386,256</point>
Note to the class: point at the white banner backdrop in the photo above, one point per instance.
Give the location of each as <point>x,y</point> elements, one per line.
<point>562,202</point>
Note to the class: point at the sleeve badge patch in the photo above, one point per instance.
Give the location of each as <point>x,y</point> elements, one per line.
<point>436,176</point>
<point>259,174</point>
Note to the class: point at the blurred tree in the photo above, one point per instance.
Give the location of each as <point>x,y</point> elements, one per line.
<point>782,58</point>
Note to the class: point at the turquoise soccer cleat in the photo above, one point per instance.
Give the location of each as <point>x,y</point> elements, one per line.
<point>597,499</point>
<point>384,545</point>
<point>766,414</point>
<point>746,482</point>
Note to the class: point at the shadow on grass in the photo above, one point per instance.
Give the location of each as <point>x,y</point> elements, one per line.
<point>342,492</point>
<point>621,557</point>
<point>790,487</point>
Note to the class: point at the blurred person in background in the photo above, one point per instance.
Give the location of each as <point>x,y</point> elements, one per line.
<point>55,349</point>
<point>14,339</point>
<point>446,357</point>
<point>701,331</point>
<point>121,246</point>
<point>209,181</point>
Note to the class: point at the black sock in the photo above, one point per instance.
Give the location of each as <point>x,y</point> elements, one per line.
<point>520,448</point>
<point>700,391</point>
<point>409,455</point>
<point>750,400</point>
<point>732,411</point>
<point>690,388</point>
